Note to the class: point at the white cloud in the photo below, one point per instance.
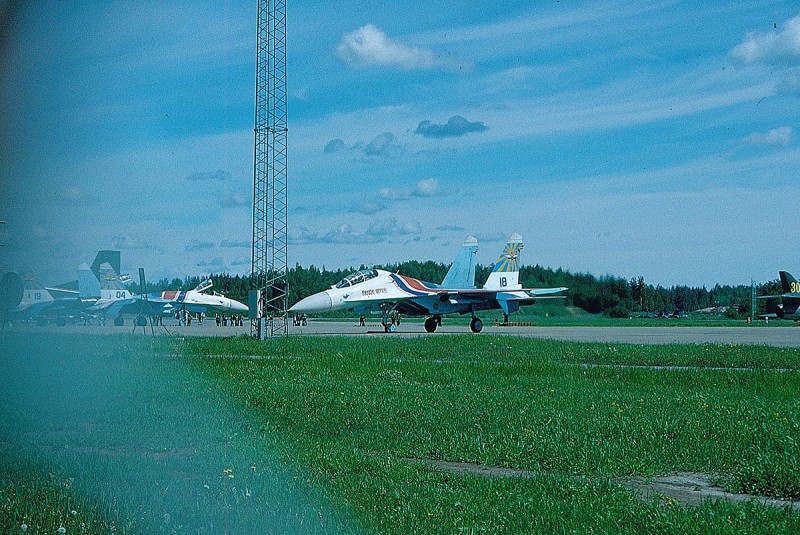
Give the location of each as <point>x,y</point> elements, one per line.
<point>128,243</point>
<point>391,227</point>
<point>369,46</point>
<point>456,126</point>
<point>234,200</point>
<point>427,188</point>
<point>368,208</point>
<point>790,85</point>
<point>382,145</point>
<point>393,194</point>
<point>235,243</point>
<point>777,136</point>
<point>774,47</point>
<point>334,145</point>
<point>219,175</point>
<point>197,245</point>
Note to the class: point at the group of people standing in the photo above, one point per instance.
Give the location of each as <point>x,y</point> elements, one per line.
<point>234,320</point>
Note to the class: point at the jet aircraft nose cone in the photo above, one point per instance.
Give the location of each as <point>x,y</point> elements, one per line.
<point>239,307</point>
<point>320,302</point>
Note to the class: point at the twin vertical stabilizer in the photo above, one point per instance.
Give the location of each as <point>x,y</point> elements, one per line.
<point>462,272</point>
<point>505,274</point>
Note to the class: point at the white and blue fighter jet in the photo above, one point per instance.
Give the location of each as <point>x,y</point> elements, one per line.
<point>376,290</point>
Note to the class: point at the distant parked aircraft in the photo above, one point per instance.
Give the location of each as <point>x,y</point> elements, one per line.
<point>375,290</point>
<point>117,300</point>
<point>788,308</point>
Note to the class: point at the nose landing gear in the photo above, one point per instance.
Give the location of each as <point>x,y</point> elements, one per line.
<point>476,325</point>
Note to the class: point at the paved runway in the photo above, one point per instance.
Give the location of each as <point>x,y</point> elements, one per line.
<point>776,336</point>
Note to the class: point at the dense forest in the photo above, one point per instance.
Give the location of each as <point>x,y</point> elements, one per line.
<point>611,295</point>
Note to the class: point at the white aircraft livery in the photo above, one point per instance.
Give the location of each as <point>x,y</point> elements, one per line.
<point>376,290</point>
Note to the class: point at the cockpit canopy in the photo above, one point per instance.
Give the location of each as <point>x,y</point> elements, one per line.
<point>203,286</point>
<point>357,278</point>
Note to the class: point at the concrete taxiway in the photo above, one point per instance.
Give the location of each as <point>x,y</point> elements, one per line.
<point>775,336</point>
<point>751,335</point>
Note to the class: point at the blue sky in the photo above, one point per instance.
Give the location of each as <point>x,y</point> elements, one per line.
<point>655,139</point>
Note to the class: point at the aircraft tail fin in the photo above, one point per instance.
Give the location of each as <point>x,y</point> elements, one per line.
<point>88,283</point>
<point>789,283</point>
<point>505,274</point>
<point>105,257</point>
<point>462,272</point>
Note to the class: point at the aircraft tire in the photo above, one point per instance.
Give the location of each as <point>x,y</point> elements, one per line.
<point>430,325</point>
<point>119,321</point>
<point>141,321</point>
<point>476,325</point>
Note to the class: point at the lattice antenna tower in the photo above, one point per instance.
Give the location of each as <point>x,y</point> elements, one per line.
<point>270,261</point>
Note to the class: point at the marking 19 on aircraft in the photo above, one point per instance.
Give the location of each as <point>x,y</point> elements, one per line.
<point>376,290</point>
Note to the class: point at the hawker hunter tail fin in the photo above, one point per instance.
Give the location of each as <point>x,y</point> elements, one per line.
<point>788,283</point>
<point>505,274</point>
<point>462,273</point>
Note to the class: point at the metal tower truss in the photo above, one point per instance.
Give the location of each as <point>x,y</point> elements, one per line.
<point>270,195</point>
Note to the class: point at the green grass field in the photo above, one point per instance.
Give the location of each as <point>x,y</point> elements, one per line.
<point>343,425</point>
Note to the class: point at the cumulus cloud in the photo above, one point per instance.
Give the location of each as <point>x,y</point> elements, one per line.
<point>214,264</point>
<point>75,196</point>
<point>382,145</point>
<point>454,127</point>
<point>450,228</point>
<point>394,194</point>
<point>391,227</point>
<point>234,200</point>
<point>342,234</point>
<point>235,243</point>
<point>197,245</point>
<point>777,136</point>
<point>369,46</point>
<point>427,188</point>
<point>790,84</point>
<point>299,235</point>
<point>219,175</point>
<point>776,47</point>
<point>378,231</point>
<point>333,146</point>
<point>128,243</point>
<point>368,208</point>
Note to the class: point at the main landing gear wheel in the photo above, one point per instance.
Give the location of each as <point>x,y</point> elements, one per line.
<point>430,324</point>
<point>390,328</point>
<point>118,321</point>
<point>476,325</point>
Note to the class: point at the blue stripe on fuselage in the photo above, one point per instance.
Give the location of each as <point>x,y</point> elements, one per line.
<point>403,286</point>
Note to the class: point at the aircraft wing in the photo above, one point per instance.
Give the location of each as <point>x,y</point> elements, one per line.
<point>133,305</point>
<point>509,301</point>
<point>63,293</point>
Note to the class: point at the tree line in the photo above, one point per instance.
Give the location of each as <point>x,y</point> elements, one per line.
<point>606,294</point>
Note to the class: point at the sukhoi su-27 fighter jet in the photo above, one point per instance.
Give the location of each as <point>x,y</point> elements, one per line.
<point>376,290</point>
